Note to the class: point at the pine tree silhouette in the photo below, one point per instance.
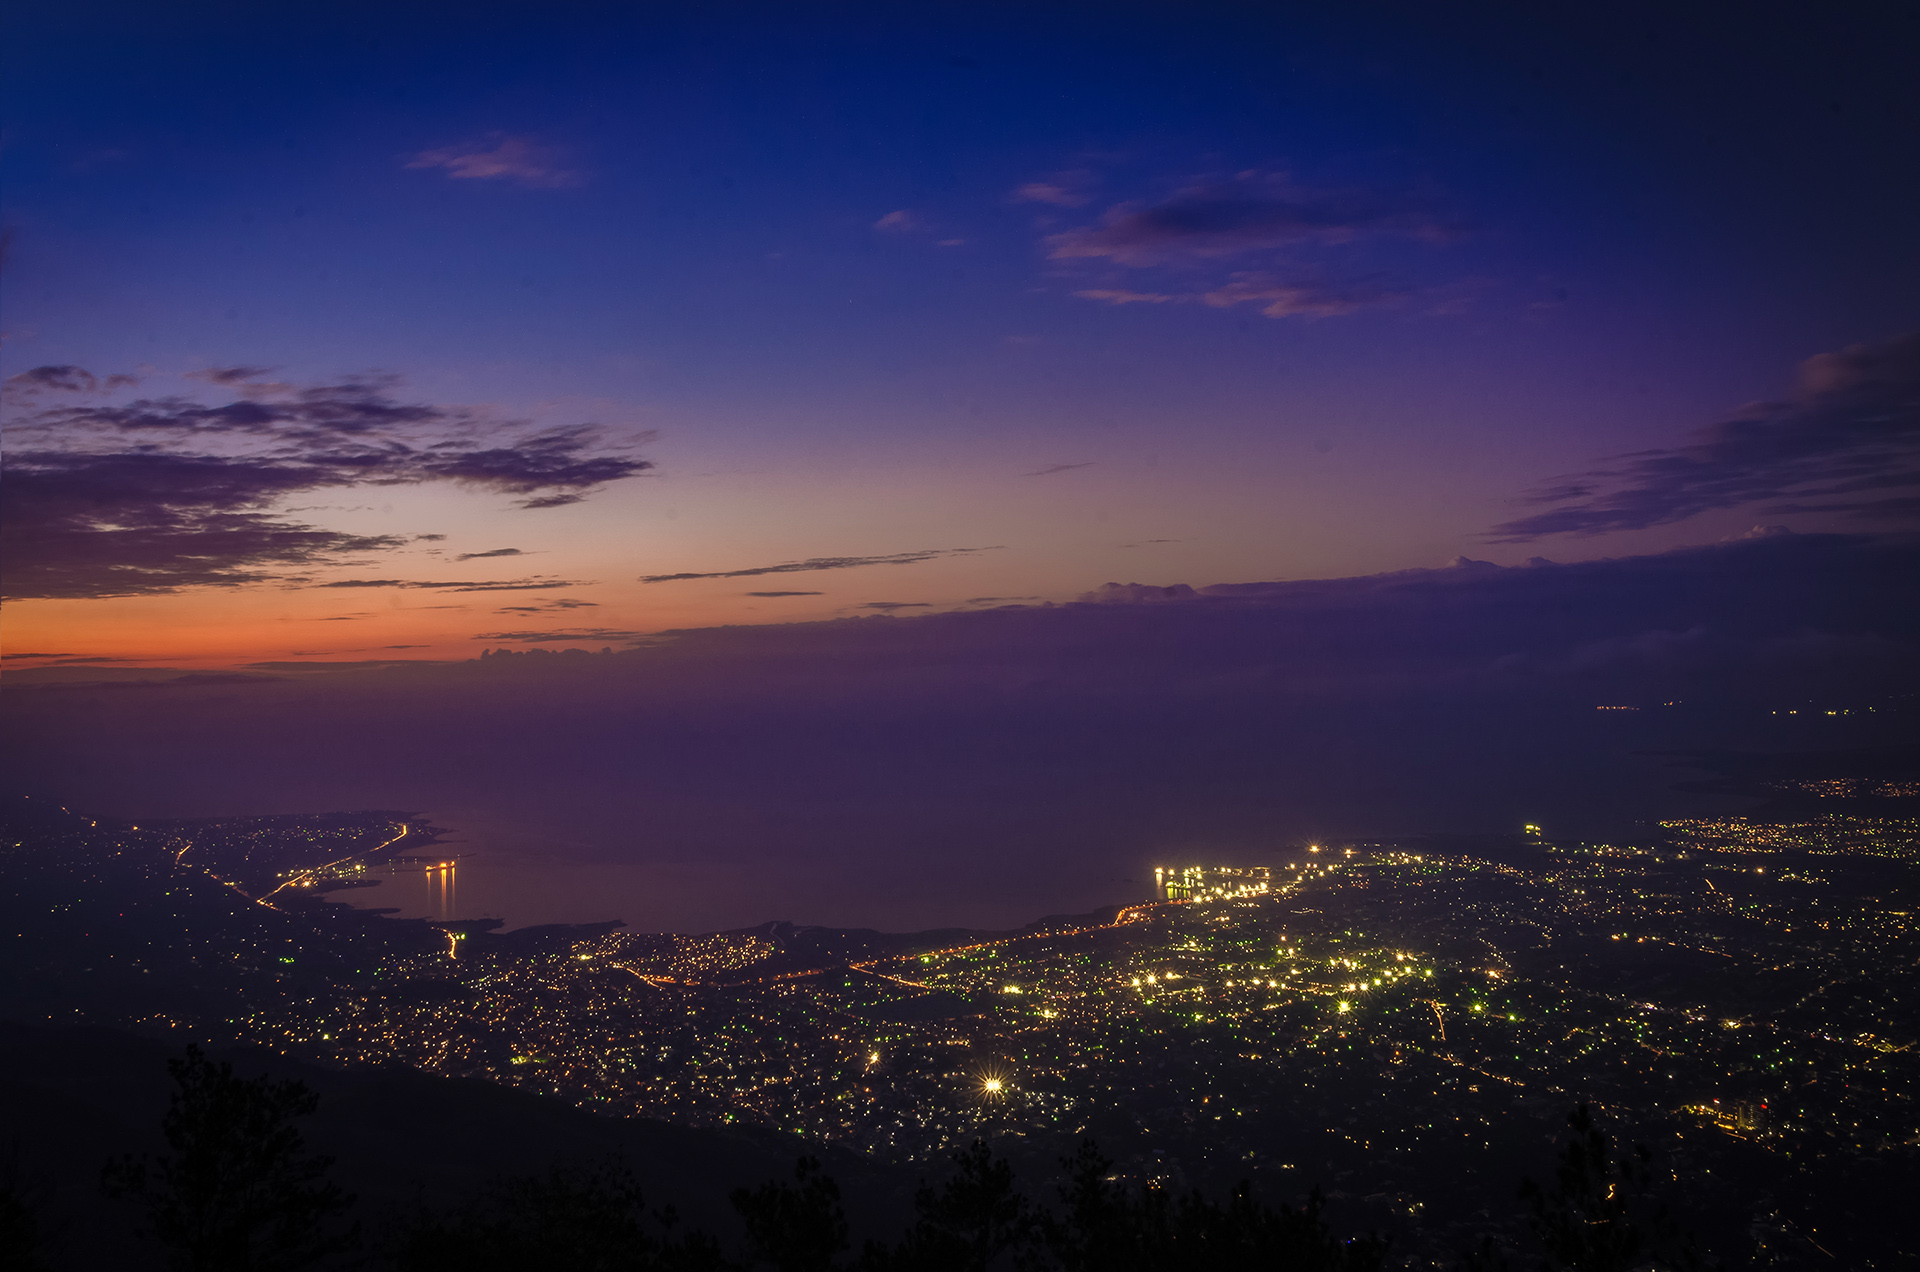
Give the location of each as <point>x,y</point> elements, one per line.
<point>797,1227</point>
<point>573,1219</point>
<point>1601,1214</point>
<point>237,1191</point>
<point>967,1225</point>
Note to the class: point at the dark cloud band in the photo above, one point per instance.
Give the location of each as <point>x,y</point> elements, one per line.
<point>160,494</point>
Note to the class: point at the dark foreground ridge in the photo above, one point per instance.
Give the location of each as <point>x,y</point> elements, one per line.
<point>255,1169</point>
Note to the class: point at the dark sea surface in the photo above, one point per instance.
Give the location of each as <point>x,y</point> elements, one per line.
<point>500,876</point>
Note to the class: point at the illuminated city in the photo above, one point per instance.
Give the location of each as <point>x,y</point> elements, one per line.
<point>1410,1013</point>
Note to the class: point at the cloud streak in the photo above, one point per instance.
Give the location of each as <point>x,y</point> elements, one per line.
<point>549,605</point>
<point>462,585</point>
<point>817,563</point>
<point>1277,296</point>
<point>1847,441</point>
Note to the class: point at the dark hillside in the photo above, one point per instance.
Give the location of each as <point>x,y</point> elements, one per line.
<point>72,1098</point>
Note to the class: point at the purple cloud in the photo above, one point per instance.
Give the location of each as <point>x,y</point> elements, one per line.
<point>1250,212</point>
<point>1847,440</point>
<point>159,494</point>
<point>62,379</point>
<point>1283,298</point>
<point>1272,227</point>
<point>502,157</point>
<point>1062,190</point>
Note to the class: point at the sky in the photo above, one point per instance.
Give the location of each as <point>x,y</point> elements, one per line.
<point>350,339</point>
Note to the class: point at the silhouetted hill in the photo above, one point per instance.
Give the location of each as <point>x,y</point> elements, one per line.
<point>72,1098</point>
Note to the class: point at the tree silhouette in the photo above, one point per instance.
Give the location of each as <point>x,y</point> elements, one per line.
<point>797,1227</point>
<point>573,1219</point>
<point>1602,1213</point>
<point>22,1247</point>
<point>965,1226</point>
<point>1107,1227</point>
<point>237,1191</point>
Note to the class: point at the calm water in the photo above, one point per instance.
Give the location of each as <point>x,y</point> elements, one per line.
<point>526,889</point>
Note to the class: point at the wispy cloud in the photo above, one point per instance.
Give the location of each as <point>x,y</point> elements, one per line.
<point>765,595</point>
<point>1277,297</point>
<point>817,563</point>
<point>502,157</point>
<point>496,552</point>
<point>1280,298</point>
<point>1123,296</point>
<point>1847,440</point>
<point>899,222</point>
<point>1069,189</point>
<point>1051,469</point>
<point>888,607</point>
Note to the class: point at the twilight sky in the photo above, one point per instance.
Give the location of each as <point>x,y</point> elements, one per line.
<point>827,363</point>
<point>314,311</point>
